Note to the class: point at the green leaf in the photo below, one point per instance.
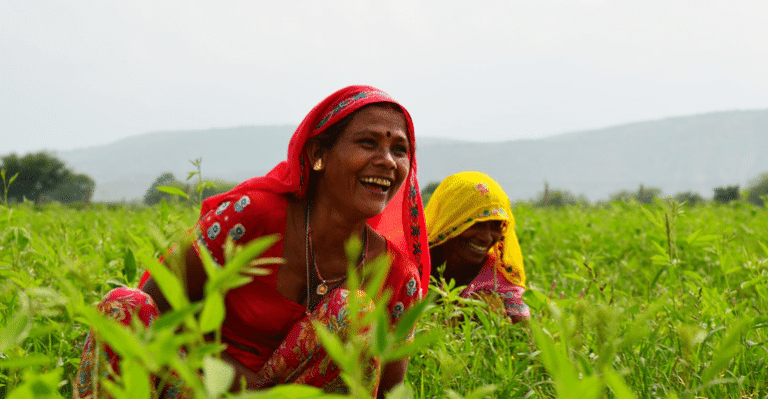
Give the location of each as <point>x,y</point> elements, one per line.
<point>240,260</point>
<point>408,321</point>
<point>535,299</point>
<point>753,282</point>
<point>18,327</point>
<point>693,276</point>
<point>658,274</point>
<point>33,359</point>
<point>213,312</point>
<point>137,379</point>
<point>400,391</point>
<point>764,247</point>
<point>377,271</point>
<point>381,342</point>
<point>333,346</point>
<point>172,190</point>
<point>662,251</point>
<point>218,376</point>
<point>692,237</point>
<point>655,220</point>
<point>129,265</point>
<point>169,284</point>
<point>289,391</point>
<point>13,178</point>
<point>419,342</point>
<point>574,276</point>
<point>617,384</point>
<point>119,337</point>
<point>172,319</point>
<point>480,392</point>
<point>728,349</point>
<point>38,385</point>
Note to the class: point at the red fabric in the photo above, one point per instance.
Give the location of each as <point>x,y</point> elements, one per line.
<point>122,305</point>
<point>258,317</point>
<point>402,221</point>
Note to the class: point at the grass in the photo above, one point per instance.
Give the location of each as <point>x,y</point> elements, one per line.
<point>628,300</point>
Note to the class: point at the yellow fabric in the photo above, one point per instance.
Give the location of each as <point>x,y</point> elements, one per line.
<point>466,198</point>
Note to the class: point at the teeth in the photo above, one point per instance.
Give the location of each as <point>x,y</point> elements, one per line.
<point>478,248</point>
<point>376,180</point>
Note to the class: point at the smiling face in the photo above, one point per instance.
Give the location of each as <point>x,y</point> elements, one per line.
<point>368,163</point>
<point>465,253</point>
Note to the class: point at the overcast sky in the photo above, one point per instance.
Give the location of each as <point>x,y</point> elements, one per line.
<point>81,73</point>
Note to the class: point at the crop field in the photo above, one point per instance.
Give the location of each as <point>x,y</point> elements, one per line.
<point>628,300</point>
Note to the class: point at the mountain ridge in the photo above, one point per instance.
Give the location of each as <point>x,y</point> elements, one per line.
<point>683,153</point>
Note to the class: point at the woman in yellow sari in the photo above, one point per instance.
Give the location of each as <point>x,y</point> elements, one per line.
<point>471,230</point>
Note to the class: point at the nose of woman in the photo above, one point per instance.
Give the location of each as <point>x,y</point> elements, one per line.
<point>489,233</point>
<point>386,159</point>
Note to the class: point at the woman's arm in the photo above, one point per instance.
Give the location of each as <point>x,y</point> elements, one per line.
<point>195,282</point>
<point>392,374</point>
<point>194,276</point>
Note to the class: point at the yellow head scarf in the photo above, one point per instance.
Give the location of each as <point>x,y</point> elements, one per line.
<point>466,198</point>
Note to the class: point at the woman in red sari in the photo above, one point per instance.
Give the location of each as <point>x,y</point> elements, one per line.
<point>351,171</point>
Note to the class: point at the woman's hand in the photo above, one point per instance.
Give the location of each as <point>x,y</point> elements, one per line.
<point>253,380</point>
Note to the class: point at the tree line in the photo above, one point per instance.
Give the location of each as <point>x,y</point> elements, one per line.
<point>42,177</point>
<point>756,193</point>
<point>192,193</point>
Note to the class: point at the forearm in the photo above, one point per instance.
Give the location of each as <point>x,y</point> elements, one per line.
<point>194,276</point>
<point>392,374</point>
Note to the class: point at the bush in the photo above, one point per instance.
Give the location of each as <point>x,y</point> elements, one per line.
<point>758,188</point>
<point>559,198</point>
<point>690,198</point>
<point>643,195</point>
<point>154,196</point>
<point>726,194</point>
<point>44,175</point>
<point>428,190</point>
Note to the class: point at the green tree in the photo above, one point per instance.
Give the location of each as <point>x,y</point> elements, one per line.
<point>37,173</point>
<point>75,188</point>
<point>643,195</point>
<point>757,189</point>
<point>428,190</point>
<point>726,194</point>
<point>154,196</point>
<point>217,187</point>
<point>210,188</point>
<point>646,195</point>
<point>559,198</point>
<point>690,198</point>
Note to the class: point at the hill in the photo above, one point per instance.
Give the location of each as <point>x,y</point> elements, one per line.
<point>695,153</point>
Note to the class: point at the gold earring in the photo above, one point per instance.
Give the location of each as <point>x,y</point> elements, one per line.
<point>318,164</point>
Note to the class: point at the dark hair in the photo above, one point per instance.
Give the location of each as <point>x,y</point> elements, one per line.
<point>330,136</point>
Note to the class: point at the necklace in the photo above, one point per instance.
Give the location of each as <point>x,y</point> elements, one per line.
<point>323,287</point>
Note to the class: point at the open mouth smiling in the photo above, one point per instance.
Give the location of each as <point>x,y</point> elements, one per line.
<point>477,248</point>
<point>377,183</point>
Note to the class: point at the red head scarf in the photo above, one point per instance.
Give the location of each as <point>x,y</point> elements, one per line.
<point>402,221</point>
